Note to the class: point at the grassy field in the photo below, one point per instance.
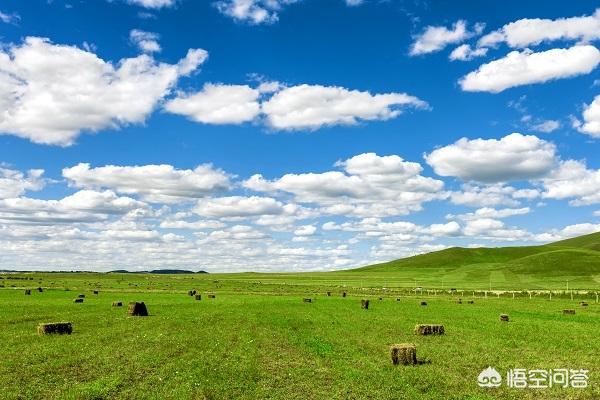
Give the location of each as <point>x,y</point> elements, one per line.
<point>260,341</point>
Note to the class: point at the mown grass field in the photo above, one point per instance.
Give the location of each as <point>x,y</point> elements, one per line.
<point>258,340</point>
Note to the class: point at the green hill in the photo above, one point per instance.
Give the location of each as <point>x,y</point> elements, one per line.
<point>576,260</point>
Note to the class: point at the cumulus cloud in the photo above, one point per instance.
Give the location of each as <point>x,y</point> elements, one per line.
<point>146,41</point>
<point>218,104</point>
<point>525,67</point>
<point>82,206</point>
<point>50,93</point>
<point>546,126</point>
<point>492,229</point>
<point>154,4</point>
<point>314,106</point>
<point>514,157</point>
<point>491,213</point>
<point>154,183</point>
<point>591,119</point>
<point>289,108</point>
<point>257,12</point>
<point>464,52</point>
<point>254,12</point>
<point>485,196</point>
<point>370,185</point>
<point>573,180</point>
<point>305,230</point>
<point>435,38</point>
<point>238,206</point>
<point>567,232</point>
<point>14,183</point>
<point>533,31</point>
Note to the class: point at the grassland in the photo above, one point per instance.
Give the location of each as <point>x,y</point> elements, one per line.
<point>258,340</point>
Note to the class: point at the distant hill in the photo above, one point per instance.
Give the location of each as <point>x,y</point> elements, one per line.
<point>576,259</point>
<point>158,271</point>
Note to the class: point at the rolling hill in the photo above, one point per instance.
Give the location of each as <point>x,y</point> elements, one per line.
<point>576,260</point>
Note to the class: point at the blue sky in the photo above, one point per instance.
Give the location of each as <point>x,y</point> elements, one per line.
<point>298,135</point>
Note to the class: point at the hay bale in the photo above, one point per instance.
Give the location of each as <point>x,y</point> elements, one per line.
<point>117,304</point>
<point>307,300</point>
<point>428,329</point>
<point>364,304</point>
<point>423,303</point>
<point>404,354</point>
<point>27,292</point>
<point>81,296</point>
<point>569,311</point>
<point>137,309</point>
<point>57,328</point>
<point>504,317</point>
<point>212,296</point>
<point>78,300</point>
<point>198,297</point>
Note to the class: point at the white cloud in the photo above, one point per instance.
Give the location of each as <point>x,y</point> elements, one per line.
<point>591,119</point>
<point>155,183</point>
<point>573,180</point>
<point>567,232</point>
<point>451,228</point>
<point>372,185</point>
<point>9,18</point>
<point>218,104</point>
<point>533,31</point>
<point>191,225</point>
<point>14,183</point>
<point>486,196</point>
<point>526,67</point>
<point>435,38</point>
<point>305,230</point>
<point>253,11</point>
<point>352,3</point>
<point>82,206</point>
<point>514,157</point>
<point>146,41</point>
<point>546,126</point>
<point>492,229</point>
<point>155,4</point>
<point>464,52</point>
<point>491,213</point>
<point>238,206</point>
<point>237,232</point>
<point>315,106</point>
<point>51,93</point>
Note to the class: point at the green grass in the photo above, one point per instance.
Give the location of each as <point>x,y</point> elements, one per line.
<point>529,267</point>
<point>259,340</point>
<point>250,346</point>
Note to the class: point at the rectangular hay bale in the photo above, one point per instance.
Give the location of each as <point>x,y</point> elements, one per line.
<point>56,328</point>
<point>429,329</point>
<point>404,354</point>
